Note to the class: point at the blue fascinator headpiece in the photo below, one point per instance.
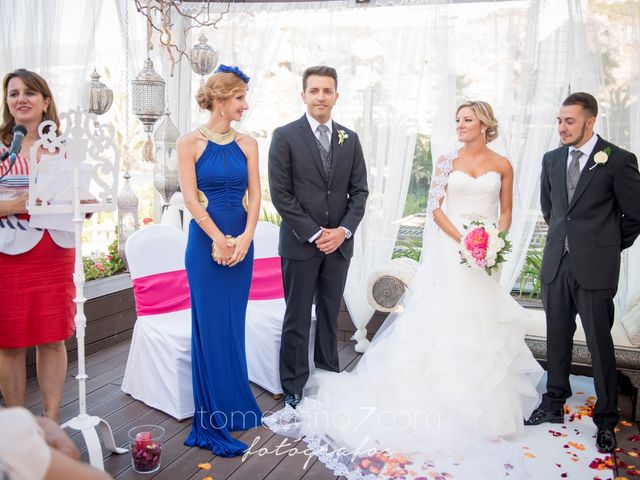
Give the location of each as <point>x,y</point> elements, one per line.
<point>235,70</point>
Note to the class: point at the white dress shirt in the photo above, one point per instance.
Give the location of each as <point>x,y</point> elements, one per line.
<point>315,124</point>
<point>586,150</point>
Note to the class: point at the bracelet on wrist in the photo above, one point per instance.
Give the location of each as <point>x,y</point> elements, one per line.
<point>201,219</point>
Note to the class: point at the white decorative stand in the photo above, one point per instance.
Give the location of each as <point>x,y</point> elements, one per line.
<point>77,175</point>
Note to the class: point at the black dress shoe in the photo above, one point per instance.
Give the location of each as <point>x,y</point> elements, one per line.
<point>606,440</point>
<point>292,399</point>
<point>542,416</point>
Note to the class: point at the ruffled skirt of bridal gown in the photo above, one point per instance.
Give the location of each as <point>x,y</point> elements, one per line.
<point>449,380</point>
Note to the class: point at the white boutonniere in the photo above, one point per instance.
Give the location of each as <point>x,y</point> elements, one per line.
<point>342,136</point>
<point>601,157</point>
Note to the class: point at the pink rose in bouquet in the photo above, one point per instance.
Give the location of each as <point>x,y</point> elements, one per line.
<point>483,247</point>
<point>477,238</point>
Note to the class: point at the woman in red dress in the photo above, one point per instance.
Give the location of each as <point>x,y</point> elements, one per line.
<point>36,294</point>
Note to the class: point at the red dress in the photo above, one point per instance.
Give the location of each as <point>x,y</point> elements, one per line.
<point>37,290</point>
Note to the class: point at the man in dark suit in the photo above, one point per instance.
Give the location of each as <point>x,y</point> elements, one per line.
<point>590,191</point>
<point>318,183</point>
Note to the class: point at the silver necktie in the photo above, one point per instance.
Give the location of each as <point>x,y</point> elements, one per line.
<point>323,137</point>
<point>573,174</point>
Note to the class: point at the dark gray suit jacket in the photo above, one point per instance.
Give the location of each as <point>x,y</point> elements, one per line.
<point>602,220</point>
<point>303,197</point>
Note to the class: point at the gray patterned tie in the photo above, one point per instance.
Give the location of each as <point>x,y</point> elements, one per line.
<point>573,174</point>
<point>323,138</point>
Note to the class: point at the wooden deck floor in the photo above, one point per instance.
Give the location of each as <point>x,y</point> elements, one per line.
<point>106,400</point>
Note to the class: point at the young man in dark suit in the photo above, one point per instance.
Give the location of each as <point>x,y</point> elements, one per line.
<point>590,198</point>
<point>318,184</point>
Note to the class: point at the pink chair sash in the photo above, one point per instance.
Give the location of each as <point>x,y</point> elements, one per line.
<point>266,282</point>
<point>169,291</point>
<point>161,293</point>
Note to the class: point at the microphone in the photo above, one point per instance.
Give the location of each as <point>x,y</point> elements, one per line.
<point>19,131</point>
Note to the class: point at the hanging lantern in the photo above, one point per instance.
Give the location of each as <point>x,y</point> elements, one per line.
<point>165,171</point>
<point>203,58</point>
<point>100,96</point>
<point>147,93</point>
<point>127,214</point>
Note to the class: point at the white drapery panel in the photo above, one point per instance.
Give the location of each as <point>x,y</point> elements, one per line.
<point>179,92</point>
<point>36,36</point>
<point>520,56</point>
<point>136,34</point>
<point>252,41</point>
<point>401,71</point>
<point>380,89</point>
<point>427,96</point>
<point>37,48</point>
<point>559,54</point>
<point>522,61</point>
<point>629,285</point>
<point>250,36</point>
<point>381,102</point>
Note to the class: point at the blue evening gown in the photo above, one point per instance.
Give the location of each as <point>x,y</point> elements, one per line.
<point>222,397</point>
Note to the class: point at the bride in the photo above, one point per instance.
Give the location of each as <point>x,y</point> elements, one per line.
<point>449,377</point>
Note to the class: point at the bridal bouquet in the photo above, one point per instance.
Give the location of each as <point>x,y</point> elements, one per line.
<point>483,247</point>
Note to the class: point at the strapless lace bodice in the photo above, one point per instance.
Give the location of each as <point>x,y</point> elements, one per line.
<point>473,198</point>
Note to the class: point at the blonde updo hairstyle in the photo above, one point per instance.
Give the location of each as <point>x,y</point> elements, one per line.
<point>484,112</point>
<point>218,88</point>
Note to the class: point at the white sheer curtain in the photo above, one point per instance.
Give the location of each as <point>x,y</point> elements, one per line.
<point>136,34</point>
<point>390,89</point>
<point>403,67</point>
<point>381,82</point>
<point>558,53</point>
<point>179,91</point>
<point>521,58</point>
<point>388,127</point>
<point>252,40</point>
<point>381,85</point>
<point>29,36</point>
<point>42,37</point>
<point>629,285</point>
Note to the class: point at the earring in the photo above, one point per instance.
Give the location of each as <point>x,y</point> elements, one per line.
<point>45,110</point>
<point>221,113</point>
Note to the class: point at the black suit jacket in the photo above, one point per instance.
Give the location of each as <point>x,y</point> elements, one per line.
<point>303,197</point>
<point>602,219</point>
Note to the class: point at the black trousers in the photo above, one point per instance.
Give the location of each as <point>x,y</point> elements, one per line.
<point>322,276</point>
<point>562,299</point>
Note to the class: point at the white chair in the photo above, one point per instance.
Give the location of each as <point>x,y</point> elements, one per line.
<point>158,370</point>
<point>265,316</point>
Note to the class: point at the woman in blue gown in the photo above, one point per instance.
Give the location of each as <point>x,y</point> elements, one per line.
<point>217,165</point>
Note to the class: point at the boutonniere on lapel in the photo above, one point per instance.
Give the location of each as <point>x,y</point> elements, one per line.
<point>342,136</point>
<point>601,157</point>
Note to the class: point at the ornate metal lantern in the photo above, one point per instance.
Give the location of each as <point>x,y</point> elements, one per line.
<point>165,171</point>
<point>127,214</point>
<point>147,93</point>
<point>203,58</point>
<point>100,96</point>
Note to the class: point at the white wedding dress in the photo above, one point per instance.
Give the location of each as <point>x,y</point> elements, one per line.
<point>445,383</point>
